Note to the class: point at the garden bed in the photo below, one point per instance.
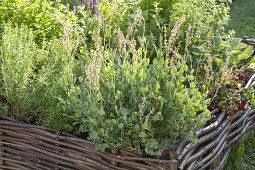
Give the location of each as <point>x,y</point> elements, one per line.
<point>150,92</point>
<point>25,146</point>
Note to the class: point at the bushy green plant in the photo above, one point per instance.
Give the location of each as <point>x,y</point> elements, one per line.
<point>203,17</point>
<point>31,74</point>
<point>123,95</point>
<point>201,21</point>
<point>123,98</point>
<point>230,62</point>
<point>45,18</point>
<point>18,51</point>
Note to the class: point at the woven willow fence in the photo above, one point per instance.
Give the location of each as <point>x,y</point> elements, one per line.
<point>24,146</point>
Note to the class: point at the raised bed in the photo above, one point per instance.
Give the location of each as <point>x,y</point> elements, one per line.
<point>24,146</point>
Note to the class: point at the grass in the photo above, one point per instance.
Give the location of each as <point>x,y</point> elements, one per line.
<point>243,18</point>
<point>243,23</point>
<point>243,156</point>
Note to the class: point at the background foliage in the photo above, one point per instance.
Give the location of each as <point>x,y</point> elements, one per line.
<point>45,18</point>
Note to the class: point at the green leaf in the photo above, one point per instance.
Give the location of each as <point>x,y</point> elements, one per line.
<point>146,125</point>
<point>77,90</point>
<point>101,112</point>
<point>157,86</point>
<point>251,67</point>
<point>102,130</point>
<point>83,128</point>
<point>235,42</point>
<point>241,46</point>
<point>101,146</point>
<point>118,95</point>
<point>158,116</point>
<point>217,40</point>
<point>246,53</point>
<point>93,135</point>
<point>160,99</point>
<point>100,97</point>
<point>252,60</point>
<point>219,62</point>
<point>125,112</point>
<point>142,134</point>
<point>144,89</point>
<point>61,82</point>
<point>120,125</point>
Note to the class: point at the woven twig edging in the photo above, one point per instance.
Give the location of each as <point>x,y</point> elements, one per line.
<point>215,141</point>
<point>24,146</point>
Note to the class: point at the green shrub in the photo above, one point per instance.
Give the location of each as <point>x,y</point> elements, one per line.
<point>204,17</point>
<point>45,18</point>
<point>31,73</point>
<point>122,97</point>
<point>124,94</point>
<point>201,21</point>
<point>18,51</point>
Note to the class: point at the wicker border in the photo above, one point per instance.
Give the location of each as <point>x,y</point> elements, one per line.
<point>24,146</point>
<point>215,141</point>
